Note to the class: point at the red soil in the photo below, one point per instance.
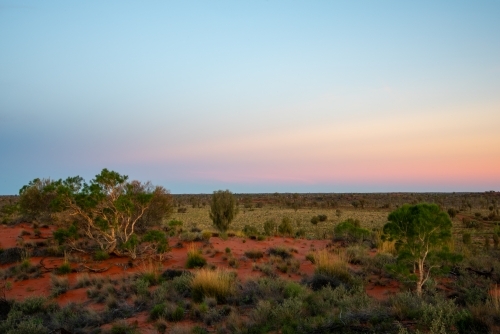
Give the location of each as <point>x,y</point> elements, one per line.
<point>214,252</point>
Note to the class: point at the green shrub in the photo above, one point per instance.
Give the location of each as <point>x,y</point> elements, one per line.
<point>142,287</point>
<point>288,312</point>
<point>322,218</point>
<point>254,254</point>
<point>177,314</point>
<point>58,285</point>
<point>32,325</point>
<point>269,227</point>
<point>65,268</point>
<point>122,327</point>
<point>62,234</point>
<point>250,231</point>
<point>466,238</point>
<point>31,305</point>
<point>315,220</point>
<point>452,212</point>
<point>157,311</point>
<point>182,283</point>
<point>293,290</point>
<point>285,228</point>
<point>349,230</point>
<point>175,223</point>
<point>281,252</point>
<point>101,255</point>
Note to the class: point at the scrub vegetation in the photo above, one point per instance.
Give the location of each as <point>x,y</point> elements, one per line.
<point>119,256</point>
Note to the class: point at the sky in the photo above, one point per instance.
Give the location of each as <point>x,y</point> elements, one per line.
<point>253,96</point>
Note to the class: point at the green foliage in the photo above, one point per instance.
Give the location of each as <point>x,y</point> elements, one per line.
<point>350,231</point>
<point>452,212</point>
<point>157,311</point>
<point>250,231</point>
<point>285,228</point>
<point>421,233</point>
<point>293,290</point>
<point>109,208</point>
<point>175,223</point>
<point>281,252</point>
<point>131,245</point>
<point>254,254</point>
<point>466,238</point>
<point>195,259</point>
<point>36,199</point>
<point>158,241</point>
<point>100,255</point>
<point>269,227</point>
<point>315,220</point>
<point>223,209</point>
<point>65,268</point>
<point>122,327</point>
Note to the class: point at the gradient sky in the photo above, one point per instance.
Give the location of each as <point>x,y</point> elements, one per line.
<point>253,96</point>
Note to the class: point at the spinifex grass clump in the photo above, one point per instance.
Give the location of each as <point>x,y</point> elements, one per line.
<point>194,258</point>
<point>58,285</point>
<point>332,265</point>
<point>281,252</point>
<point>218,284</point>
<point>254,254</point>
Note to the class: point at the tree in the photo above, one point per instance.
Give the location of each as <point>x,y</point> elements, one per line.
<point>109,209</point>
<point>223,209</point>
<point>35,199</point>
<point>421,233</point>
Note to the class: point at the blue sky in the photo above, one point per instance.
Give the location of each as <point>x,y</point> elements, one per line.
<point>257,96</point>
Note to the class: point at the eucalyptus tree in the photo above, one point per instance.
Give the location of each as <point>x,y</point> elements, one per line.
<point>422,233</point>
<point>109,209</point>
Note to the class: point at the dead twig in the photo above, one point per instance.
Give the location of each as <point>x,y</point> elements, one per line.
<point>100,270</point>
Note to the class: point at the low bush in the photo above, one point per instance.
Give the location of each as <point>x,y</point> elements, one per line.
<point>170,274</point>
<point>285,228</point>
<point>122,327</point>
<point>182,283</point>
<point>58,285</point>
<point>350,231</point>
<point>280,251</point>
<point>100,255</point>
<point>254,254</point>
<point>250,231</point>
<point>270,227</point>
<point>65,268</point>
<point>469,223</point>
<point>157,311</point>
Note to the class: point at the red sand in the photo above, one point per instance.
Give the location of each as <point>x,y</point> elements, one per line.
<point>214,252</point>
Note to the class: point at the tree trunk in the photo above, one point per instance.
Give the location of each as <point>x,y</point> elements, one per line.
<point>420,281</point>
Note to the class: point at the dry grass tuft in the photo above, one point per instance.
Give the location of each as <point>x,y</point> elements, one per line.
<point>194,257</point>
<point>388,247</point>
<point>212,283</point>
<point>330,264</point>
<point>58,285</point>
